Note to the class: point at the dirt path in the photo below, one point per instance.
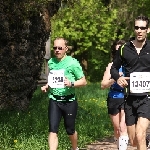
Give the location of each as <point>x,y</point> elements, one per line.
<point>108,144</point>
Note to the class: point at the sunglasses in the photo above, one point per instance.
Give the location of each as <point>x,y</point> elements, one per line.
<point>57,47</point>
<point>142,28</point>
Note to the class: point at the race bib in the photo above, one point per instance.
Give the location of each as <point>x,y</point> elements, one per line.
<point>56,79</point>
<point>140,82</point>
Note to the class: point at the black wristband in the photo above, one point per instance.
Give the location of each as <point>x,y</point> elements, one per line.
<point>72,84</point>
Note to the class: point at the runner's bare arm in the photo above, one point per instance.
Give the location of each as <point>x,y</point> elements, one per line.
<point>107,81</point>
<point>80,82</point>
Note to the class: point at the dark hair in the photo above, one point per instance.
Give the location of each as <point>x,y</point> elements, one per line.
<point>143,18</point>
<point>113,47</point>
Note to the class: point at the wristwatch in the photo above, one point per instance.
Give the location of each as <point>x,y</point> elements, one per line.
<point>72,84</point>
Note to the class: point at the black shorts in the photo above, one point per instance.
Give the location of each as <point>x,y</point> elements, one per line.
<point>67,110</point>
<point>135,107</point>
<point>115,105</point>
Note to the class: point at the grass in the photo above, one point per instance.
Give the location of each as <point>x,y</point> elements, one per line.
<point>29,130</point>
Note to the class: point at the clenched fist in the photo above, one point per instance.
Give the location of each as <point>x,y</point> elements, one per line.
<point>44,88</point>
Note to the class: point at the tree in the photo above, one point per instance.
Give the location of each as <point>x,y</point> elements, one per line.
<point>91,26</point>
<point>88,27</point>
<point>23,33</point>
<point>127,11</point>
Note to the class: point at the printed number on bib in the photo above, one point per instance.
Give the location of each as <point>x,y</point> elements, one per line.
<point>140,82</point>
<point>56,79</point>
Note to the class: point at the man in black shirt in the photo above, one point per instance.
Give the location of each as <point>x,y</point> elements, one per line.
<point>135,57</point>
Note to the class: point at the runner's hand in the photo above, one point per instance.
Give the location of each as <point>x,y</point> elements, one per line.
<point>44,88</point>
<point>67,83</point>
<point>122,81</point>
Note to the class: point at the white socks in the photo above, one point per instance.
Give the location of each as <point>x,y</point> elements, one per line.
<point>123,142</point>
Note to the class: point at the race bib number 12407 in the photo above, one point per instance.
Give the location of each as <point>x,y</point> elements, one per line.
<point>140,82</point>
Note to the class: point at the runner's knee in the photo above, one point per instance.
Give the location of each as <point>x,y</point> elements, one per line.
<point>70,131</point>
<point>140,136</point>
<point>53,128</point>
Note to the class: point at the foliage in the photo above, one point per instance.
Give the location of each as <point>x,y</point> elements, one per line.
<point>91,27</point>
<point>88,27</point>
<point>29,129</point>
<point>127,11</point>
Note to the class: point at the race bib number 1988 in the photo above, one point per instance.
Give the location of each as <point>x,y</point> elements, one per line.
<point>56,79</point>
<point>140,82</point>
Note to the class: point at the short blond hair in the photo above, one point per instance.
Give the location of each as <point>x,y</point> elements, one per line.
<point>61,38</point>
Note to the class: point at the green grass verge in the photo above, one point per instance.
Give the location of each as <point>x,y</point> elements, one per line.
<point>29,130</point>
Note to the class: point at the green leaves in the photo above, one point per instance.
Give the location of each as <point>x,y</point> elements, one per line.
<point>88,25</point>
<point>92,26</point>
<point>84,23</point>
